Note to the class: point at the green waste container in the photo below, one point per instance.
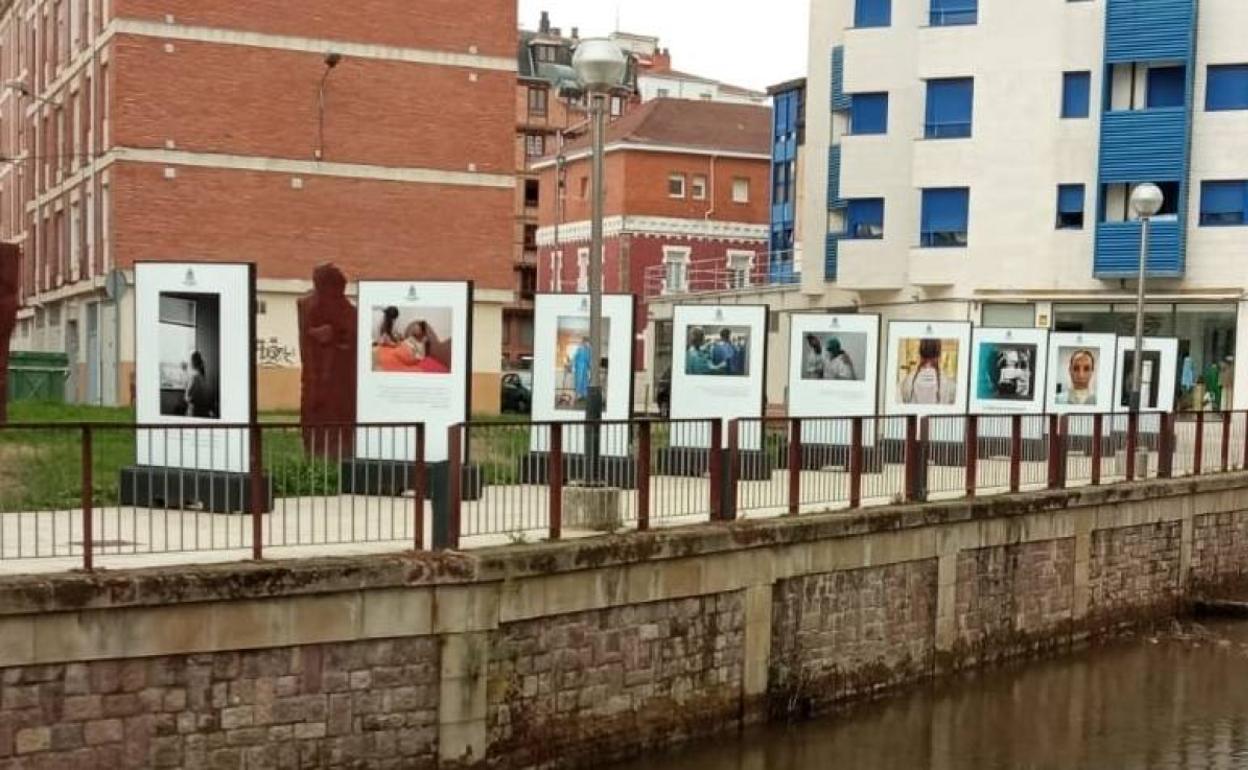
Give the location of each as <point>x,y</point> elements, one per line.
<point>37,376</point>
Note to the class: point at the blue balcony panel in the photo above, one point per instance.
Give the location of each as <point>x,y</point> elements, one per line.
<point>840,99</point>
<point>1144,145</point>
<point>1149,30</point>
<point>834,177</point>
<point>1118,250</point>
<point>830,257</point>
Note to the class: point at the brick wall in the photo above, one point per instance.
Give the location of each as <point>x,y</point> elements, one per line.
<point>1220,551</point>
<point>584,689</point>
<point>364,704</point>
<point>1134,572</point>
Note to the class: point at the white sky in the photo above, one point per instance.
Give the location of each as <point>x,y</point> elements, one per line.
<point>752,44</point>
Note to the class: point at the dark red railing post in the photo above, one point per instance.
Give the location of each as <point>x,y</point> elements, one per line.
<point>971,451</point>
<point>88,501</point>
<point>1098,427</point>
<point>1165,447</point>
<point>257,491</point>
<point>730,468</point>
<point>454,483</point>
<point>1226,441</point>
<point>916,460</point>
<point>795,466</point>
<point>1198,450</point>
<point>419,475</point>
<point>554,476</point>
<point>1057,450</point>
<point>1016,452</point>
<point>855,463</point>
<point>1133,438</point>
<point>643,475</point>
<point>1244,461</point>
<point>715,465</point>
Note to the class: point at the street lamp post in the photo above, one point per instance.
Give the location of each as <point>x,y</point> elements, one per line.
<point>600,67</point>
<point>1146,200</point>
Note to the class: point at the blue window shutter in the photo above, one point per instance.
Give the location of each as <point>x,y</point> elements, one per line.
<point>864,218</point>
<point>1166,86</point>
<point>1227,88</point>
<point>868,114</point>
<point>1070,198</point>
<point>944,212</point>
<point>873,13</point>
<point>1076,87</point>
<point>945,13</point>
<point>1223,203</point>
<point>950,106</point>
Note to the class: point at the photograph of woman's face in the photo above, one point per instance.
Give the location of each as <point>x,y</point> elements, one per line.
<point>1082,367</point>
<point>1076,383</point>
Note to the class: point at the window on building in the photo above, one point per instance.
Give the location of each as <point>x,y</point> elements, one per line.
<point>740,190</point>
<point>1166,86</point>
<point>537,101</point>
<point>534,145</point>
<point>617,106</point>
<point>944,217</point>
<point>1070,206</point>
<point>530,237</point>
<point>1227,87</point>
<point>675,185</point>
<point>864,218</point>
<point>740,265</point>
<point>1224,203</point>
<point>868,114</point>
<point>532,192</point>
<point>950,13</point>
<point>675,269</point>
<point>873,13</point>
<point>1116,201</point>
<point>546,53</point>
<point>582,270</point>
<point>697,187</point>
<point>556,271</point>
<point>1076,90</point>
<point>583,187</point>
<point>950,104</point>
<point>663,93</point>
<point>782,183</point>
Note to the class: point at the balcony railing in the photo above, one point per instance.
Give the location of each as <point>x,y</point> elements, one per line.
<point>717,275</point>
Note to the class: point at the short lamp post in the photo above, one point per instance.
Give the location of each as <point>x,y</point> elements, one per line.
<point>1146,201</point>
<point>600,67</point>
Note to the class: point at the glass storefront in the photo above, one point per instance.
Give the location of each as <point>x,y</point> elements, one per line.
<point>1206,334</point>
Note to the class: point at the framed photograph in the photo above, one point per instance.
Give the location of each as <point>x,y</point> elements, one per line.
<point>833,370</point>
<point>928,366</point>
<point>1008,370</point>
<point>562,364</point>
<point>1081,373</point>
<point>194,363</point>
<point>1158,374</point>
<point>724,348</point>
<point>414,353</point>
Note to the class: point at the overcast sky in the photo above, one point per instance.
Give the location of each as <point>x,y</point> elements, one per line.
<point>754,44</point>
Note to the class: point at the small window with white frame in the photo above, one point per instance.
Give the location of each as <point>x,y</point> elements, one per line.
<point>556,271</point>
<point>697,187</point>
<point>740,266</point>
<point>676,269</point>
<point>740,190</point>
<point>582,270</point>
<point>675,185</point>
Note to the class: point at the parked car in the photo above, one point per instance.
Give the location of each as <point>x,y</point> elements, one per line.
<point>516,396</point>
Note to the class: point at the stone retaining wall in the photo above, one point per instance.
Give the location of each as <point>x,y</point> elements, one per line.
<point>575,653</point>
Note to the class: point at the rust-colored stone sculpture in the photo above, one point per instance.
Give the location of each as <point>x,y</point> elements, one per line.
<point>327,346</point>
<point>10,276</point>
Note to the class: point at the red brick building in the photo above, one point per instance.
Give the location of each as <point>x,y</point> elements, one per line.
<point>213,130</point>
<point>687,203</point>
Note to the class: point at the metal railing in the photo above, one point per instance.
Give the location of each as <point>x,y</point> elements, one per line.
<point>72,494</point>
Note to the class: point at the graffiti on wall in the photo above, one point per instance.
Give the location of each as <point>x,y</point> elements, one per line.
<point>271,353</point>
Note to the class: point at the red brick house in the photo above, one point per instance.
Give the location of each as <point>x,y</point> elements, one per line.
<point>687,203</point>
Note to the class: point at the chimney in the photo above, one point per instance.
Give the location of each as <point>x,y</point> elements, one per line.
<point>661,61</point>
<point>544,26</point>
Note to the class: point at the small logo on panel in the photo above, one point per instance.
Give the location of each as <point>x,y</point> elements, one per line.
<point>412,294</point>
<point>189,279</point>
<point>719,315</point>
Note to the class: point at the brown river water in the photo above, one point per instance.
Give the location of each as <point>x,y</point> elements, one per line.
<point>1175,699</point>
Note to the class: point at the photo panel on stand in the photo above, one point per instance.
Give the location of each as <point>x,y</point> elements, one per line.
<point>563,360</point>
<point>1081,379</point>
<point>724,352</point>
<point>928,366</point>
<point>193,363</point>
<point>833,372</point>
<point>1008,374</point>
<point>1158,374</point>
<point>413,366</point>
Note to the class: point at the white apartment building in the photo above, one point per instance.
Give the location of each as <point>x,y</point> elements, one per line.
<point>979,155</point>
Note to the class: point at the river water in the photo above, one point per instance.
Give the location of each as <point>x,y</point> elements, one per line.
<point>1172,700</point>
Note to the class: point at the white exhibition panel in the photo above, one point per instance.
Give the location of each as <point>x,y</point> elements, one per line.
<point>1008,376</point>
<point>1082,369</point>
<point>419,372</point>
<point>712,377</point>
<point>1160,373</point>
<point>193,364</point>
<point>925,387</point>
<point>834,364</point>
<point>560,326</point>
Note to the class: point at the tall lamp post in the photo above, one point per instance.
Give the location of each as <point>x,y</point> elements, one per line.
<point>1146,200</point>
<point>600,67</point>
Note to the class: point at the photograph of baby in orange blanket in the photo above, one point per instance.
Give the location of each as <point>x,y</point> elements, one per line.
<point>409,340</point>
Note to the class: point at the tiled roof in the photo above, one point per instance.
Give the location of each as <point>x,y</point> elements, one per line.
<point>701,125</point>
